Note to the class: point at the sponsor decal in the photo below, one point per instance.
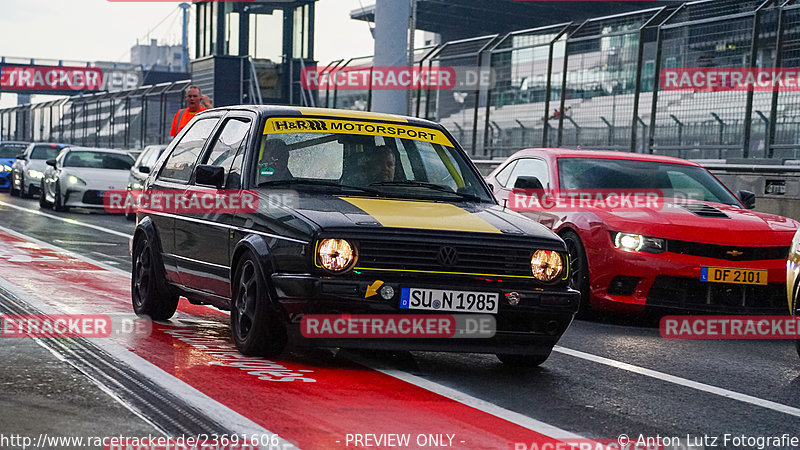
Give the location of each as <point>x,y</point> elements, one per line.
<point>341,126</point>
<point>730,327</point>
<point>730,79</point>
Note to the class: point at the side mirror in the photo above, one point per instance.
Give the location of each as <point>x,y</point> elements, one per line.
<point>528,183</point>
<point>144,169</point>
<point>748,198</point>
<point>51,162</point>
<point>21,156</point>
<point>209,175</point>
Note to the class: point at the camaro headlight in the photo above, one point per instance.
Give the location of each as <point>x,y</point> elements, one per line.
<point>75,180</point>
<point>6,168</point>
<point>638,243</point>
<point>336,255</point>
<point>35,174</point>
<point>546,265</point>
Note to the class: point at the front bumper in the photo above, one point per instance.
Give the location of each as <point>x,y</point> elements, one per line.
<point>530,328</point>
<point>631,282</point>
<point>83,197</point>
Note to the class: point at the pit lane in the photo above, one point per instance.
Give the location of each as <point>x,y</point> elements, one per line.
<point>605,379</point>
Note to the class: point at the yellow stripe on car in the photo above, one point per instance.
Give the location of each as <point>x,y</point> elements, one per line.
<point>421,215</point>
<point>341,126</point>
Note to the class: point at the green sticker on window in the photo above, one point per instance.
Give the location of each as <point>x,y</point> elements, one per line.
<point>267,171</point>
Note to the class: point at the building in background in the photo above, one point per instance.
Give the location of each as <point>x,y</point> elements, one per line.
<point>165,58</point>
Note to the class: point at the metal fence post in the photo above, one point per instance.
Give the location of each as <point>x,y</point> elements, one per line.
<point>748,108</point>
<point>773,109</point>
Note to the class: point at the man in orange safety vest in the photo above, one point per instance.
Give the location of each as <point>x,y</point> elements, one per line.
<point>196,102</point>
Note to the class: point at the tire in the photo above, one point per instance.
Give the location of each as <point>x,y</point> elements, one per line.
<point>58,202</point>
<point>796,312</point>
<point>23,192</point>
<point>11,190</point>
<point>43,203</point>
<point>256,326</point>
<point>149,293</point>
<point>522,360</point>
<point>579,271</point>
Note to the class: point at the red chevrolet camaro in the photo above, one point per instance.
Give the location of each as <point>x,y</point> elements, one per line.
<point>651,231</point>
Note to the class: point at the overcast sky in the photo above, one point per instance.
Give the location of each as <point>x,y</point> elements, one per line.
<point>92,30</point>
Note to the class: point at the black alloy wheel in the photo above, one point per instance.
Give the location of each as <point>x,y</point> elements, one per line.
<point>149,294</point>
<point>256,326</point>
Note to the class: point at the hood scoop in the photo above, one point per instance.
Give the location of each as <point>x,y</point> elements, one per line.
<point>703,210</point>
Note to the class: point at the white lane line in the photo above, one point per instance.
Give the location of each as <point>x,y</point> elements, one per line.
<point>68,220</point>
<point>473,402</point>
<point>786,409</point>
<point>58,249</point>
<point>221,414</point>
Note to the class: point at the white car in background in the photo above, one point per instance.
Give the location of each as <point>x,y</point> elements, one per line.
<point>80,176</point>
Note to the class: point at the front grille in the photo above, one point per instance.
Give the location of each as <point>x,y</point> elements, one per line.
<point>693,294</point>
<point>727,252</point>
<point>437,257</point>
<point>93,197</point>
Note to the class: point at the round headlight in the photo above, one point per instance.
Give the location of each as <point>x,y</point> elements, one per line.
<point>546,265</point>
<point>335,255</point>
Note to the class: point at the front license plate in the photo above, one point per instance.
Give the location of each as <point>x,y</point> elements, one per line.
<point>443,300</point>
<point>737,276</point>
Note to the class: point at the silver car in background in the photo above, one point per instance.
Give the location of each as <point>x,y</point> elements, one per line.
<point>141,168</point>
<point>80,176</point>
<point>29,167</point>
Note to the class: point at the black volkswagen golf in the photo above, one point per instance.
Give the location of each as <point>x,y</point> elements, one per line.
<point>354,214</point>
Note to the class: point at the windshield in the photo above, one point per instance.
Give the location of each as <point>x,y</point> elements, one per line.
<point>673,180</point>
<point>45,152</point>
<point>366,157</point>
<point>11,150</point>
<point>98,160</point>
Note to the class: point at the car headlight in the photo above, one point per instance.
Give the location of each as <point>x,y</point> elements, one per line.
<point>136,186</point>
<point>546,265</point>
<point>75,180</point>
<point>336,255</point>
<point>638,243</point>
<point>35,174</point>
<point>6,168</point>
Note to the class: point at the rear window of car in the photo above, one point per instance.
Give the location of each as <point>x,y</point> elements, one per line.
<point>98,160</point>
<point>45,152</point>
<point>11,150</point>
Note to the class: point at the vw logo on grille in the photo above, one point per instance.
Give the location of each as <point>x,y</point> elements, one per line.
<point>447,256</point>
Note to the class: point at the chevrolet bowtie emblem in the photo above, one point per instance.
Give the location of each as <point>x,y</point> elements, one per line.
<point>734,253</point>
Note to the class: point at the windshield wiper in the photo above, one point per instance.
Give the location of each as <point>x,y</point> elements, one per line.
<point>436,187</point>
<point>312,182</point>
